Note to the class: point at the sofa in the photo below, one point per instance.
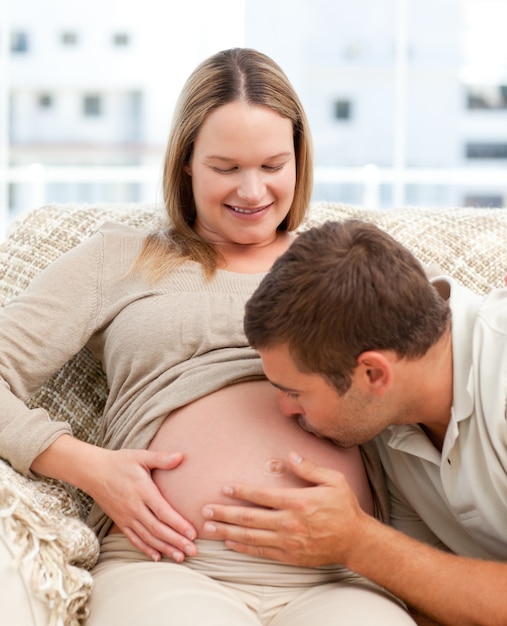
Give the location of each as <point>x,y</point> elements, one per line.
<point>46,548</point>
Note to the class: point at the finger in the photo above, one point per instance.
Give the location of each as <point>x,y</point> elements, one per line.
<point>240,534</point>
<point>264,552</point>
<point>244,516</point>
<point>167,526</point>
<point>266,497</point>
<point>283,497</point>
<point>162,460</point>
<point>166,520</point>
<point>303,558</point>
<point>138,543</point>
<point>292,542</point>
<point>155,538</point>
<point>311,472</point>
<point>262,543</point>
<point>150,550</point>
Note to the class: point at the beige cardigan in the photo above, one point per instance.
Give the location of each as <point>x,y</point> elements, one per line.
<point>161,346</point>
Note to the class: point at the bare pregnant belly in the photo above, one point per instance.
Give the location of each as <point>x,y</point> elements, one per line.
<point>238,435</point>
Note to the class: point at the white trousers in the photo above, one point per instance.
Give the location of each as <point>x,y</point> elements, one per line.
<point>219,587</point>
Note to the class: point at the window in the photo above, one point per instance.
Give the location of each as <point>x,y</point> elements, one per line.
<point>484,201</point>
<point>92,106</point>
<point>342,110</point>
<point>353,52</point>
<point>487,97</point>
<point>484,150</point>
<point>121,39</point>
<point>19,42</point>
<point>45,101</point>
<point>69,38</point>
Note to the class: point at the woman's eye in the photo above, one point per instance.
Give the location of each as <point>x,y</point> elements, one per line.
<point>220,170</point>
<point>273,168</point>
<point>231,170</point>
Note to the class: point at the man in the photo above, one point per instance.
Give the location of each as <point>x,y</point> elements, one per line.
<point>360,345</point>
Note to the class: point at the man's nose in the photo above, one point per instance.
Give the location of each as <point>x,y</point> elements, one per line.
<point>289,407</point>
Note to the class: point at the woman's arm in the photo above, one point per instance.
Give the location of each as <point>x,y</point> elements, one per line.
<point>40,330</point>
<point>120,483</point>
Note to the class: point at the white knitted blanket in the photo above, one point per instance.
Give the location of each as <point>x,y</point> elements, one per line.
<point>41,520</point>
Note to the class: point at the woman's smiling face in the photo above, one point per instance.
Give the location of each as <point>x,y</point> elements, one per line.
<point>243,172</point>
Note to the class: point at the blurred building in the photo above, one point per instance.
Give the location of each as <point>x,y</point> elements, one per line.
<point>419,86</point>
<point>401,94</point>
<point>94,83</point>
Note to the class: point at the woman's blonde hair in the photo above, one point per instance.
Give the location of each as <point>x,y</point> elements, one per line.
<point>237,74</point>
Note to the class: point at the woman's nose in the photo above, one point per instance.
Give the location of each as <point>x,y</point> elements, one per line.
<point>251,187</point>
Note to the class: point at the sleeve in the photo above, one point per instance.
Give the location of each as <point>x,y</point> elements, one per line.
<point>405,519</point>
<point>40,330</point>
<point>377,480</point>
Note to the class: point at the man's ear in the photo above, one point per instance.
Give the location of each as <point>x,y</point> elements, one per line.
<point>374,372</point>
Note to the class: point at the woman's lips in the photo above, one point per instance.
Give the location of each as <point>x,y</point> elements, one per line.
<point>247,211</point>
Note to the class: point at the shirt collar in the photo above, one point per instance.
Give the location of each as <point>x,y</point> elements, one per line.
<point>464,305</point>
<point>410,438</point>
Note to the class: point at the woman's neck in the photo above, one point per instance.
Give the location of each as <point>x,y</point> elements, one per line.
<point>254,259</point>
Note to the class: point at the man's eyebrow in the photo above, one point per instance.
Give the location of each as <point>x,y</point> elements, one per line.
<point>282,388</point>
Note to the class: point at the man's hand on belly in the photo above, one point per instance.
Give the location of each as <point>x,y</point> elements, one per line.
<point>310,526</point>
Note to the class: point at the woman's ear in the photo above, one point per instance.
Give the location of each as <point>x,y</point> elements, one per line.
<point>374,372</point>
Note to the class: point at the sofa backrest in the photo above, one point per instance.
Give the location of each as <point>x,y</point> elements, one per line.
<point>469,244</point>
<point>466,243</point>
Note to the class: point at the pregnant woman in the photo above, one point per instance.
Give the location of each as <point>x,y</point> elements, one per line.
<point>188,408</point>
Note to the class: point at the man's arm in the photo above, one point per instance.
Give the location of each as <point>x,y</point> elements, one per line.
<point>422,620</point>
<point>324,524</point>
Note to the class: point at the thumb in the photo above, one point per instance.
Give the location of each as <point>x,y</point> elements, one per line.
<point>163,460</point>
<point>310,471</point>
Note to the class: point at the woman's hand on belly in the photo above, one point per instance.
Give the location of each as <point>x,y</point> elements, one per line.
<point>127,493</point>
<point>310,526</point>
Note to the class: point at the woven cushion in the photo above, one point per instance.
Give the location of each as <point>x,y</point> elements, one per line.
<point>468,244</point>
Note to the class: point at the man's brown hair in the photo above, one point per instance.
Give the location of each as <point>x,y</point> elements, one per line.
<point>341,289</point>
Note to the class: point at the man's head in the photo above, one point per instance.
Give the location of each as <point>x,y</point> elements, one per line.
<point>341,290</point>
